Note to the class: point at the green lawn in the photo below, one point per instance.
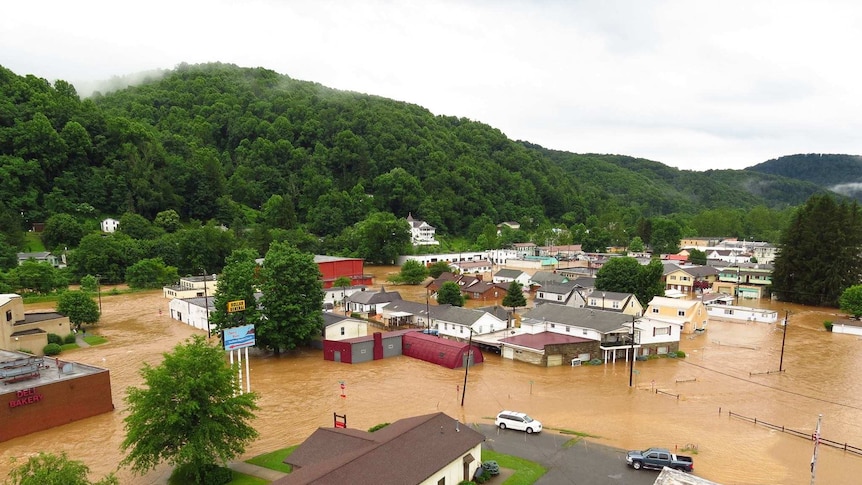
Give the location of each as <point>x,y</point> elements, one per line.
<point>526,471</point>
<point>274,460</point>
<point>95,339</point>
<point>33,243</point>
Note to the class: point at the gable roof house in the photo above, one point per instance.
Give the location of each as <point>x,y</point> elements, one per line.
<point>555,334</point>
<point>473,267</point>
<point>370,302</point>
<point>690,314</point>
<point>689,280</point>
<point>432,449</point>
<point>340,327</point>
<point>544,277</point>
<point>43,257</point>
<point>400,313</point>
<point>457,323</point>
<point>555,292</point>
<point>613,301</point>
<point>421,233</point>
<point>109,225</point>
<point>510,275</point>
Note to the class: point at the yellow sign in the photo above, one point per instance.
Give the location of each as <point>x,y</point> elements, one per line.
<point>235,306</point>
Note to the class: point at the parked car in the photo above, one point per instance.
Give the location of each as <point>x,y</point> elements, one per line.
<point>658,458</point>
<point>518,421</point>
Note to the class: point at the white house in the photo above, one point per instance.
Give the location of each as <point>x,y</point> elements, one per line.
<point>110,225</point>
<point>661,335</point>
<point>339,327</point>
<point>510,275</point>
<point>456,322</point>
<point>473,267</point>
<point>421,233</point>
<point>338,297</point>
<point>193,311</point>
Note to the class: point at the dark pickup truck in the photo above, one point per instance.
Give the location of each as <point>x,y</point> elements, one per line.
<point>658,458</point>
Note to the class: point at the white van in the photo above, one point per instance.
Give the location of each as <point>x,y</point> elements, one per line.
<point>518,421</point>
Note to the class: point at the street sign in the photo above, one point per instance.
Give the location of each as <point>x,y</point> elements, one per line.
<point>235,306</point>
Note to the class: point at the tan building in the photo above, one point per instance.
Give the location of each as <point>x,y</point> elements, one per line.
<point>192,287</point>
<point>28,332</point>
<point>690,314</point>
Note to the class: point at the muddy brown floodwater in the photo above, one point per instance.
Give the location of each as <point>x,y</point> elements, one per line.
<point>726,370</point>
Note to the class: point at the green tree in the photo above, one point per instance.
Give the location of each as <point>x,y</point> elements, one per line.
<point>192,412</point>
<point>37,277</point>
<point>450,294</point>
<point>292,299</point>
<point>412,273</point>
<point>89,284</point>
<point>821,252</point>
<point>627,275</point>
<point>237,281</point>
<point>79,307</point>
<point>666,235</point>
<point>696,256</point>
<point>851,301</point>
<point>62,230</point>
<point>50,469</point>
<point>108,255</point>
<point>438,268</point>
<point>150,273</point>
<point>343,282</point>
<point>138,227</point>
<point>514,296</point>
<point>168,220</point>
<point>636,245</point>
<point>8,254</point>
<point>381,238</point>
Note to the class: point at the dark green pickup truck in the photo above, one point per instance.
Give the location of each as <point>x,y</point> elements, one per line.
<point>658,458</point>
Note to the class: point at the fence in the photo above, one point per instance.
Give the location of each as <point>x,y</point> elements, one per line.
<point>801,434</point>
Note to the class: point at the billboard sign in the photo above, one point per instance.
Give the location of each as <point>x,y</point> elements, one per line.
<point>235,306</point>
<point>239,337</point>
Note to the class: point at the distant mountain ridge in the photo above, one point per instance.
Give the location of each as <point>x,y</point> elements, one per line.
<point>835,172</point>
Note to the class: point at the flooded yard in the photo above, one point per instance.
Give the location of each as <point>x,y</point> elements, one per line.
<point>729,368</point>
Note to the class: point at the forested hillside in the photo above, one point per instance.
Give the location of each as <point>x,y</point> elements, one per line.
<point>269,157</point>
<point>839,173</point>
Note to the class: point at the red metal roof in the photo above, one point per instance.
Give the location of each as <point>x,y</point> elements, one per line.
<point>539,340</point>
<point>437,350</point>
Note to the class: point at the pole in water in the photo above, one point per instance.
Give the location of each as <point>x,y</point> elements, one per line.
<point>816,439</point>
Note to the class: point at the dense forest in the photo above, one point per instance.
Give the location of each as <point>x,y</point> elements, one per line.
<point>266,158</point>
<point>839,173</point>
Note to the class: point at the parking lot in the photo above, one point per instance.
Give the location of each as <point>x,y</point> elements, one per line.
<point>584,462</point>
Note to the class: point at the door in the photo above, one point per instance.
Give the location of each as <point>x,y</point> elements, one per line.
<point>508,353</point>
<point>337,356</point>
<point>555,360</point>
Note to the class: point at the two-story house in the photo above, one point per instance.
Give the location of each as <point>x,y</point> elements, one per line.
<point>691,315</point>
<point>421,233</point>
<point>458,323</point>
<point>510,275</point>
<point>689,280</point>
<point>613,301</point>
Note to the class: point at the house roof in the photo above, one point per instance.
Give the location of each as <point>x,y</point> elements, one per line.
<point>544,277</point>
<point>331,318</point>
<point>423,444</point>
<point>415,308</point>
<point>601,321</point>
<point>697,271</point>
<point>558,288</point>
<point>585,281</point>
<point>461,316</point>
<point>438,350</point>
<point>497,311</point>
<point>673,302</point>
<point>509,273</point>
<point>322,258</point>
<point>538,341</point>
<point>38,256</point>
<point>372,298</point>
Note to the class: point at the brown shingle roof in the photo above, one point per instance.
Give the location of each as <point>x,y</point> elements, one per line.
<point>407,451</point>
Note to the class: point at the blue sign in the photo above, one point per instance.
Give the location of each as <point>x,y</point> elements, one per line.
<point>239,337</point>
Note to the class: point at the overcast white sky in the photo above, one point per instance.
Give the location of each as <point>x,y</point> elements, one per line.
<point>693,84</point>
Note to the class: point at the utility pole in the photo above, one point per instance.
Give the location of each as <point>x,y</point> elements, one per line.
<point>816,438</point>
<point>783,338</point>
<point>207,306</point>
<point>632,348</point>
<point>99,290</point>
<point>467,365</point>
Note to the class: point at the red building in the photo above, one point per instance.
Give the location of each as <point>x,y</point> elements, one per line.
<point>39,393</point>
<point>334,267</point>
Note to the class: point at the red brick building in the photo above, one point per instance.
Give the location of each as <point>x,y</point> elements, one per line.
<point>43,392</point>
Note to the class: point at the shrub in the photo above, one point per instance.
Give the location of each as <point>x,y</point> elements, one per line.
<point>53,338</point>
<point>52,349</point>
<point>595,362</point>
<point>70,339</point>
<point>377,426</point>
<point>827,325</point>
<point>680,354</point>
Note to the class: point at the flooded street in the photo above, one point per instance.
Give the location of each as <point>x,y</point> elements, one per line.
<point>725,371</point>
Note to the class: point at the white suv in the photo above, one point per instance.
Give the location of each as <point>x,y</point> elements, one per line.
<point>519,421</point>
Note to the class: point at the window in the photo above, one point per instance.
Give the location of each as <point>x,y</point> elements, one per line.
<point>728,311</point>
<point>567,328</point>
<point>655,310</point>
<point>661,331</point>
<point>8,315</point>
<point>442,481</point>
<point>615,304</point>
<point>680,313</point>
<point>559,297</point>
<point>541,294</point>
<point>592,302</point>
<point>672,277</point>
<point>342,330</point>
<point>553,325</point>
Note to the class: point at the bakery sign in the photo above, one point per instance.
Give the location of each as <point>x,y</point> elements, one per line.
<point>24,397</point>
